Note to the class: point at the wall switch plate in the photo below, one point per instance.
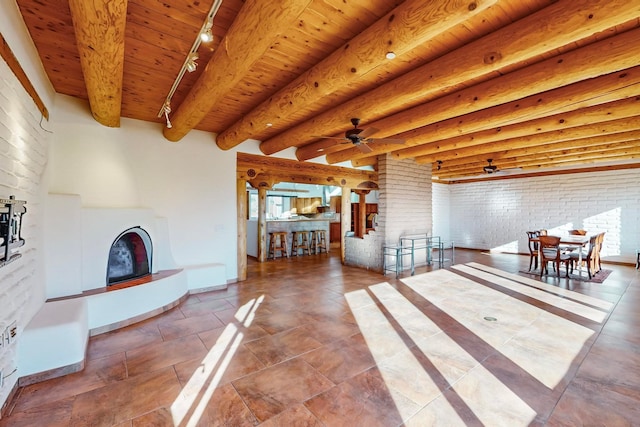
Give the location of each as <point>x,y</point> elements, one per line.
<point>12,332</point>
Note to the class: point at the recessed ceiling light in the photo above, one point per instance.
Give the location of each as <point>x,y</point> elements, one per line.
<point>390,55</point>
<point>269,125</point>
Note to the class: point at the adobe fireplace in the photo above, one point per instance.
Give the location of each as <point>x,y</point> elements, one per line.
<point>130,256</point>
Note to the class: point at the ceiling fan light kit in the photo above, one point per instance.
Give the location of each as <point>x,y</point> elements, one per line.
<point>361,137</point>
<point>490,168</point>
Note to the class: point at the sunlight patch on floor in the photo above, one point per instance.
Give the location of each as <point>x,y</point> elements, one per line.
<point>566,304</point>
<point>541,343</point>
<point>576,296</point>
<point>194,397</point>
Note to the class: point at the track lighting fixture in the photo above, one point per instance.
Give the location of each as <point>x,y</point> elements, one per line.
<point>191,62</point>
<point>166,108</point>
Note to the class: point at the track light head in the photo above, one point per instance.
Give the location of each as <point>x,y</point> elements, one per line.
<point>206,35</point>
<point>191,62</point>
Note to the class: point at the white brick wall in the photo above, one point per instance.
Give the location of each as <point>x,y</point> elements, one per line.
<point>404,204</point>
<point>404,207</point>
<point>23,157</point>
<point>496,214</point>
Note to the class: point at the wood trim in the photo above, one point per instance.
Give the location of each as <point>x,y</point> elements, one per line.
<point>14,65</point>
<point>264,172</point>
<point>537,174</point>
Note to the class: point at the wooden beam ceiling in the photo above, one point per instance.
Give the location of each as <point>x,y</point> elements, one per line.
<point>472,79</point>
<point>514,44</point>
<point>100,32</point>
<point>253,32</point>
<point>412,23</point>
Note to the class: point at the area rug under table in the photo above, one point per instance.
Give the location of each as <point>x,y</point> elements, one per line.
<point>599,277</point>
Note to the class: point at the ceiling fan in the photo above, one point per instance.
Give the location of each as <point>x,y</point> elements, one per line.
<point>361,137</point>
<point>490,168</point>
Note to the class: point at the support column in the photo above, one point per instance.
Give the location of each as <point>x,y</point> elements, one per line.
<point>241,207</point>
<point>262,224</point>
<point>345,218</point>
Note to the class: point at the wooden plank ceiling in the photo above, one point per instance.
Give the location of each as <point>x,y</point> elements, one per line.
<point>534,85</point>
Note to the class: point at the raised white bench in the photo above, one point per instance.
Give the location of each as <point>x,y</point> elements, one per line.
<point>55,341</point>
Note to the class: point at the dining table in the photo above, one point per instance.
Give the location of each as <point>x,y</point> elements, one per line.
<point>572,241</point>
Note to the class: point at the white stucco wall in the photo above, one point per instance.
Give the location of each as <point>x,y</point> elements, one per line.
<point>191,183</point>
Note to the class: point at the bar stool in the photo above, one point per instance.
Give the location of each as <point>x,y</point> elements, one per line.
<point>319,241</point>
<point>278,242</point>
<point>299,241</point>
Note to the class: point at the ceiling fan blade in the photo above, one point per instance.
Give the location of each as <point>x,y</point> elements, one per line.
<point>387,140</point>
<point>364,148</point>
<point>368,131</point>
<point>328,137</point>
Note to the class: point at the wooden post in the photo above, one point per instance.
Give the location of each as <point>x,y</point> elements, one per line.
<point>241,204</point>
<point>262,224</point>
<point>345,219</point>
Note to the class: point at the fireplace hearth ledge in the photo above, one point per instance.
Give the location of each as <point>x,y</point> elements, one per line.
<point>54,343</point>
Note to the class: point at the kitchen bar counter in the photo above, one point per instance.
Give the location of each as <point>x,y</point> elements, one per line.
<point>288,225</point>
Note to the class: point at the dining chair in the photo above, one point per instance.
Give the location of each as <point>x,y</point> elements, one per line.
<point>600,241</point>
<point>550,251</point>
<point>533,248</point>
<point>588,257</point>
<point>578,232</point>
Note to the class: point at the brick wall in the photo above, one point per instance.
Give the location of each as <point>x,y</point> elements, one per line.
<point>404,207</point>
<point>496,214</point>
<point>23,157</point>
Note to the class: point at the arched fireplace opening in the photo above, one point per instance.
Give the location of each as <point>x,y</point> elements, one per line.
<point>129,256</point>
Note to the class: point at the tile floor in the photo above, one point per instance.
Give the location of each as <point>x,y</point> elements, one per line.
<point>309,342</point>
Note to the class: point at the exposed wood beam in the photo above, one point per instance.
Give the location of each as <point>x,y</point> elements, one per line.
<point>607,56</point>
<point>590,169</point>
<point>518,148</point>
<point>514,158</point>
<point>559,160</point>
<point>100,29</point>
<point>565,22</point>
<point>254,30</point>
<point>273,170</point>
<point>409,25</point>
<point>627,107</point>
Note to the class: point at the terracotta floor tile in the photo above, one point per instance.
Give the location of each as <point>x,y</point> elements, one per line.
<point>207,306</point>
<point>161,355</point>
<point>54,414</point>
<point>590,403</point>
<point>230,366</point>
<point>274,389</point>
<point>125,339</point>
<point>296,415</point>
<point>342,359</point>
<point>97,373</point>
<point>188,326</point>
<point>277,348</point>
<point>116,403</point>
<point>363,399</point>
<point>346,346</point>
